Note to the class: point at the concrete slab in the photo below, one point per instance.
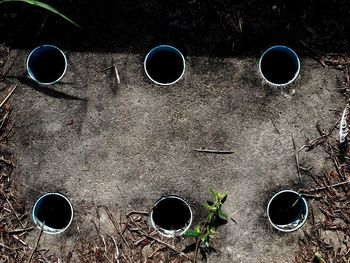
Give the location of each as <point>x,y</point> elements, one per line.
<point>130,143</point>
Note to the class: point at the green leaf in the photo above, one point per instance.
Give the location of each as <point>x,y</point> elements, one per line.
<point>222,215</point>
<point>207,206</point>
<point>223,197</point>
<point>198,229</point>
<point>191,233</point>
<point>42,5</point>
<point>213,195</point>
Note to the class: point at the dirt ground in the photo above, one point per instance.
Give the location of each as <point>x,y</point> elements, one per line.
<point>125,145</point>
<point>131,143</point>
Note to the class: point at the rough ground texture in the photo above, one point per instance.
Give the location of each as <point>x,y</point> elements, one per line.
<point>104,143</point>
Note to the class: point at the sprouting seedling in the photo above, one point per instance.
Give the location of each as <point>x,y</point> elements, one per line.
<point>205,231</point>
<point>42,5</point>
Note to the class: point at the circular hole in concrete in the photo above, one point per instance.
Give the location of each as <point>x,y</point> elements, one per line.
<point>46,64</point>
<point>171,216</point>
<point>164,65</point>
<point>55,211</point>
<point>279,65</point>
<point>287,210</point>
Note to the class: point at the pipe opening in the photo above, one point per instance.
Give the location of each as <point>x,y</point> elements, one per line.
<point>279,65</point>
<point>164,65</point>
<point>46,64</point>
<point>171,216</point>
<point>55,210</point>
<point>287,211</point>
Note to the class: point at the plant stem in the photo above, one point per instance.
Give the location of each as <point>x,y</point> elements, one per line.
<point>203,229</point>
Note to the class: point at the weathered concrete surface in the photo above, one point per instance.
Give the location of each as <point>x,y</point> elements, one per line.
<point>129,144</point>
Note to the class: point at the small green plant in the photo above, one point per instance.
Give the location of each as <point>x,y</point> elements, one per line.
<point>203,232</point>
<point>42,5</point>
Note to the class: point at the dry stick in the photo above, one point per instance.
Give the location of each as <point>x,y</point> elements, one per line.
<point>165,244</point>
<point>9,248</point>
<point>42,25</point>
<point>13,210</point>
<point>328,186</point>
<point>213,151</point>
<point>6,161</point>
<point>137,212</point>
<point>104,69</point>
<point>115,225</point>
<point>337,165</point>
<point>4,119</point>
<point>17,231</point>
<point>107,257</point>
<point>116,74</point>
<point>44,257</point>
<point>121,193</point>
<point>9,68</point>
<point>320,140</point>
<point>70,253</point>
<point>36,243</point>
<point>296,157</point>
<point>116,254</point>
<point>8,95</point>
<point>21,241</point>
<point>274,125</point>
<point>155,252</point>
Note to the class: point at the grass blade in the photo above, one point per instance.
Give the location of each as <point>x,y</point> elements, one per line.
<point>42,5</point>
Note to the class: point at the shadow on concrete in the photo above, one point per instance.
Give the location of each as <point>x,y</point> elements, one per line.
<point>208,28</point>
<point>48,91</point>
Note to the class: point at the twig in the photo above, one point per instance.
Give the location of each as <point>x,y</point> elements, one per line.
<point>116,254</point>
<point>274,125</point>
<point>42,25</point>
<point>16,231</point>
<point>104,69</point>
<point>296,157</point>
<point>337,166</point>
<point>115,225</point>
<point>154,252</point>
<point>116,74</point>
<point>36,243</point>
<point>213,151</point>
<point>70,253</point>
<point>165,244</point>
<point>233,220</point>
<point>137,212</point>
<point>326,187</point>
<point>8,95</point>
<point>4,119</point>
<point>9,248</point>
<point>6,161</point>
<point>13,210</point>
<point>21,241</point>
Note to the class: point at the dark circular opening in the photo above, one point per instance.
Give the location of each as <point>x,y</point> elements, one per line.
<point>279,65</point>
<point>171,214</point>
<point>47,64</point>
<point>164,65</point>
<point>54,210</point>
<point>286,208</point>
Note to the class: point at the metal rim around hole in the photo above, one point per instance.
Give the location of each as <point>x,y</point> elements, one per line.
<point>295,56</point>
<point>32,76</point>
<point>171,233</point>
<point>165,47</point>
<point>47,229</point>
<point>300,224</point>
